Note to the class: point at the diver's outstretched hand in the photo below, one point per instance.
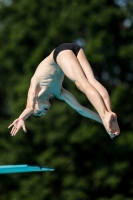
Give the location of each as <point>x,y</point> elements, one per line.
<point>17,124</point>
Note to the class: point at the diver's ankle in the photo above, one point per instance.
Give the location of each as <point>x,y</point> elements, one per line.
<point>105,114</point>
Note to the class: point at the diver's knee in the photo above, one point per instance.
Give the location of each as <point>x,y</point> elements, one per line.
<point>80,86</point>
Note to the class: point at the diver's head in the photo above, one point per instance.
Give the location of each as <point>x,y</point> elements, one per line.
<point>41,107</point>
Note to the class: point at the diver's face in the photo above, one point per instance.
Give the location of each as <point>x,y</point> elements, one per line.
<point>41,108</point>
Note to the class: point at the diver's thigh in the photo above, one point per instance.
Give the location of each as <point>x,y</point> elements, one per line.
<point>70,65</point>
<point>85,66</point>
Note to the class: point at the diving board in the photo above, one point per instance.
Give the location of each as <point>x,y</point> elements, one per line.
<point>9,169</point>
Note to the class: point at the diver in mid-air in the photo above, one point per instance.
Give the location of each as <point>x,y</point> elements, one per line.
<point>67,59</point>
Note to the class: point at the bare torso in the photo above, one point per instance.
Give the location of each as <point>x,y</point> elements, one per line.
<point>48,78</point>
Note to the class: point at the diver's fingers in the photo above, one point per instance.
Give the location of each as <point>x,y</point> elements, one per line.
<point>24,129</point>
<point>13,130</point>
<point>10,125</point>
<point>14,123</point>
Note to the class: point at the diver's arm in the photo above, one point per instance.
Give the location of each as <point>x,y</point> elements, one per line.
<point>30,105</point>
<point>71,100</point>
<point>19,122</point>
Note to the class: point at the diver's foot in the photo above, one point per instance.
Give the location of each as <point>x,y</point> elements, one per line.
<point>111,125</point>
<point>115,126</point>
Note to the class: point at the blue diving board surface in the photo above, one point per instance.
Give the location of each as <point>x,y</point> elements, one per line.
<point>9,169</point>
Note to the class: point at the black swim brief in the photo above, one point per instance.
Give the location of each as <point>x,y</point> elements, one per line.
<point>66,46</point>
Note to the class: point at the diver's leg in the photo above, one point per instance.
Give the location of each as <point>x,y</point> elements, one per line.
<point>90,76</point>
<point>98,86</point>
<point>73,70</point>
